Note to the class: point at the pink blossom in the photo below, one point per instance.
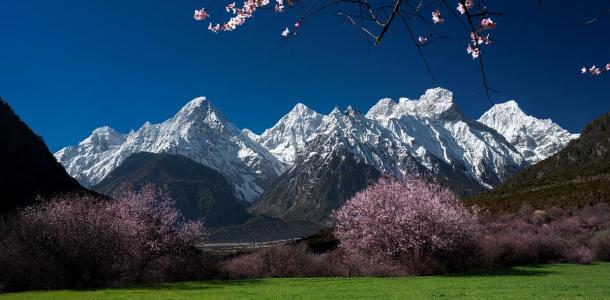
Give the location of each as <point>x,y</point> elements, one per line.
<point>474,51</point>
<point>487,23</point>
<point>297,25</point>
<point>478,39</point>
<point>279,6</point>
<point>436,17</point>
<point>583,70</point>
<point>608,67</point>
<point>286,32</point>
<point>462,8</point>
<point>214,28</point>
<point>201,14</point>
<point>595,70</point>
<point>231,7</point>
<point>422,40</point>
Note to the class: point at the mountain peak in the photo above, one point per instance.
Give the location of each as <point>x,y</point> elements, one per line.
<point>301,108</point>
<point>105,131</point>
<point>352,111</point>
<point>507,107</point>
<point>335,111</point>
<point>437,102</point>
<point>104,137</point>
<point>434,103</point>
<point>199,102</point>
<point>535,138</point>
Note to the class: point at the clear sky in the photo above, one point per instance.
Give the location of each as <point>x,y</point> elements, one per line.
<point>69,66</point>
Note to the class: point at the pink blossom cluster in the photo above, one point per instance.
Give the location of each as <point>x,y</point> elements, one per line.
<point>463,7</point>
<point>392,218</point>
<point>201,14</point>
<point>478,37</point>
<point>594,70</point>
<point>436,17</point>
<point>241,14</point>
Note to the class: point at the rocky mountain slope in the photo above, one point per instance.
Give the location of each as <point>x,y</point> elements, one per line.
<point>577,175</point>
<point>27,168</point>
<point>199,192</point>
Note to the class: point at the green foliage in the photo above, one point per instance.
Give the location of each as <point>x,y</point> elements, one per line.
<point>540,282</point>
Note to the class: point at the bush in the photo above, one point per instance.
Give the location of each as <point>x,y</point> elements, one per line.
<point>285,261</point>
<point>76,241</point>
<point>413,223</point>
<point>600,243</point>
<point>546,236</point>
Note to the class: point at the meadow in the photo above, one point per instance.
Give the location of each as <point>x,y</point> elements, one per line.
<point>558,281</point>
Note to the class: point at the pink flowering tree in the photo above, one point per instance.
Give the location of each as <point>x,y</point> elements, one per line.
<point>76,241</point>
<point>407,221</point>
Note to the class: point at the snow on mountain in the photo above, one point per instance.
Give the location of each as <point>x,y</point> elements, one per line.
<point>250,134</point>
<point>535,138</point>
<point>289,134</point>
<point>428,136</point>
<point>434,125</point>
<point>198,131</point>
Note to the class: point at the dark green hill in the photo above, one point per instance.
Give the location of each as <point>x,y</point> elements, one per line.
<point>575,176</point>
<point>199,191</point>
<point>27,168</point>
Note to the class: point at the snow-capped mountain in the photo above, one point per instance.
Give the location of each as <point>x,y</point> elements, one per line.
<point>425,137</point>
<point>289,134</point>
<point>434,126</point>
<point>198,131</point>
<point>535,138</point>
<point>323,159</point>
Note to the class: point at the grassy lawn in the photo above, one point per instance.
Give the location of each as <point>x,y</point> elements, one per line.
<point>563,281</point>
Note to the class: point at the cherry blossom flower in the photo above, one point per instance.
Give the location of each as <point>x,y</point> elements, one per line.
<point>279,6</point>
<point>201,14</point>
<point>231,8</point>
<point>436,17</point>
<point>297,25</point>
<point>214,28</point>
<point>422,40</point>
<point>462,8</point>
<point>595,70</point>
<point>478,39</point>
<point>286,32</point>
<point>474,51</point>
<point>487,24</point>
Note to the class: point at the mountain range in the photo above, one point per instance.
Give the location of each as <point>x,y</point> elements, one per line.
<point>309,163</point>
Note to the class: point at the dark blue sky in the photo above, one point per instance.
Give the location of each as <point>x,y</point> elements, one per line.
<point>69,66</point>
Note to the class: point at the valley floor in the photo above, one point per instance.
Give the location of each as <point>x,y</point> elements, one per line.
<point>561,281</point>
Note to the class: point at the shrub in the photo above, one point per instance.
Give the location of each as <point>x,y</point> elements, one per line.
<point>284,261</point>
<point>75,241</point>
<point>414,223</point>
<point>600,243</point>
<point>553,235</point>
<point>580,254</point>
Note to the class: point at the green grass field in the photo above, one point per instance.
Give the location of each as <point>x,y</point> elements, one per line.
<point>563,281</point>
